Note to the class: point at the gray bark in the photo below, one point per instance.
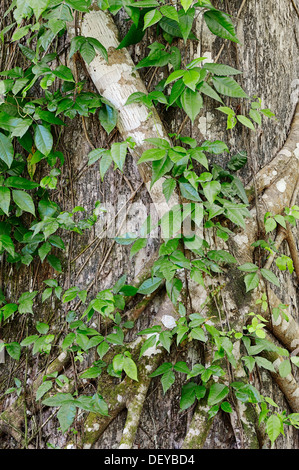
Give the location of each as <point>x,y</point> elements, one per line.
<point>268,56</point>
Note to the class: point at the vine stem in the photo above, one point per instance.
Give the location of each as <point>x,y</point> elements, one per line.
<point>293,249</point>
<point>295,6</point>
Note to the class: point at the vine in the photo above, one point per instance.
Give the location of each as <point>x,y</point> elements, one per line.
<point>37,101</point>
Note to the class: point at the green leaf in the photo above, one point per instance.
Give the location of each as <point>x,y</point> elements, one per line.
<point>176,91</point>
<point>20,183</point>
<point>42,328</point>
<point>68,340</point>
<point>70,294</point>
<point>166,366</point>
<point>229,87</point>
<point>211,190</point>
<point>152,155</point>
<point>200,157</point>
<point>43,139</point>
<point>206,89</point>
<point>54,262</point>
<point>186,4</point>
<point>4,199</point>
<point>44,250</point>
<point>108,117</point>
<point>226,407</point>
<point>152,17</point>
<point>102,349</point>
<point>192,103</point>
<point>237,161</point>
<point>220,69</point>
<point>23,201</point>
<point>105,163</point>
<point>80,5</point>
<point>190,78</point>
<point>217,393</point>
<point>64,73</point>
<point>262,362</point>
<point>87,51</point>
<point>249,362</point>
<point>167,380</point>
<point>270,276</point>
<point>281,220</point>
<point>198,333</point>
<point>38,6</point>
<point>295,360</point>
<point>134,35</point>
<point>14,350</point>
<point>181,367</point>
<point>116,338</point>
<point>76,43</point>
<point>170,12</point>
<point>245,121</point>
<point>157,142</point>
<point>137,246</point>
<point>21,127</point>
<point>188,192</point>
<point>149,343</point>
<point>216,147</point>
<point>29,340</point>
<point>43,389</point>
<point>91,373</point>
<point>165,339</point>
<point>220,24</point>
<point>273,427</point>
<point>149,286</point>
<point>251,281</point>
<point>66,416</point>
<point>130,368</point>
<point>97,45</point>
<point>56,25</point>
<point>168,186</point>
<point>58,399</point>
<point>185,22</point>
<point>6,150</point>
<point>285,368</point>
<point>118,362</point>
<point>188,395</point>
<point>145,4</point>
<point>248,267</point>
<point>235,213</point>
<point>160,168</point>
<point>8,310</point>
<point>173,28</point>
<point>255,116</point>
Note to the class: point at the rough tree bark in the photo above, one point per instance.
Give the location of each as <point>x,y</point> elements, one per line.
<point>139,415</point>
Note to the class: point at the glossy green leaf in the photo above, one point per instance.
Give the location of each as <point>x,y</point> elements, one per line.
<point>220,24</point>
<point>217,393</point>
<point>192,103</point>
<point>251,281</point>
<point>23,201</point>
<point>270,276</point>
<point>6,150</point>
<point>229,87</point>
<point>4,199</point>
<point>43,139</point>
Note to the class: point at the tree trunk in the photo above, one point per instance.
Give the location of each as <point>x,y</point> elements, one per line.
<point>140,415</point>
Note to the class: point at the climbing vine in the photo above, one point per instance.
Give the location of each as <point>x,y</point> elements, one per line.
<point>37,101</point>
